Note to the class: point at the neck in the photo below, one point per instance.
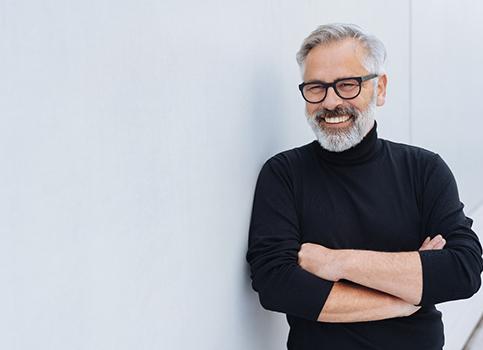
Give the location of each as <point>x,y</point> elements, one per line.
<point>360,153</point>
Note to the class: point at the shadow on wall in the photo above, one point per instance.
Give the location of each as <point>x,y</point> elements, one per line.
<point>268,119</point>
<point>268,127</point>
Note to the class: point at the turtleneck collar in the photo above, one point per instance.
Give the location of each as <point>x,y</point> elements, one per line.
<point>360,153</point>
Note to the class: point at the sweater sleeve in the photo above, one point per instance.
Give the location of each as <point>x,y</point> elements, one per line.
<point>273,245</point>
<point>453,272</point>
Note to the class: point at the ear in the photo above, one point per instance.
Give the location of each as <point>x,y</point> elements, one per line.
<point>381,90</point>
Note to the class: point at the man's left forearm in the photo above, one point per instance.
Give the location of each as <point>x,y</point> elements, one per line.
<point>398,274</point>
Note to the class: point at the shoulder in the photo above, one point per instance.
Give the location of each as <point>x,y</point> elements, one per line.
<point>288,165</point>
<point>416,153</point>
<point>281,172</point>
<point>291,158</point>
<point>426,163</point>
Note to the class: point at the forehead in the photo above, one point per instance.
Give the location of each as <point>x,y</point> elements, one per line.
<point>335,60</point>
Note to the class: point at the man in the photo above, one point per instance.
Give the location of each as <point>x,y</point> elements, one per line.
<point>354,237</point>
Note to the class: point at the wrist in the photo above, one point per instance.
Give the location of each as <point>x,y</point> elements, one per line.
<point>409,309</point>
<point>342,262</point>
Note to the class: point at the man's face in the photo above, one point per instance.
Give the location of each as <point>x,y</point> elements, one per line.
<point>328,63</point>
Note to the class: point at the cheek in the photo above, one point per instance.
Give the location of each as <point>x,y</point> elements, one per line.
<point>311,108</point>
<point>363,101</point>
<point>358,104</point>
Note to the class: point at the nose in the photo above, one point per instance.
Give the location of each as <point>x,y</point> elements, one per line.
<point>332,100</point>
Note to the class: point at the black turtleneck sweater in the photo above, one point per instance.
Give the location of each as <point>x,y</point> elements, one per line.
<point>378,195</point>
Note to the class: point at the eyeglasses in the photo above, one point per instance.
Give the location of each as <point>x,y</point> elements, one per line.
<point>345,88</point>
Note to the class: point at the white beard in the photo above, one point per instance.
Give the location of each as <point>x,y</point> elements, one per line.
<point>343,139</point>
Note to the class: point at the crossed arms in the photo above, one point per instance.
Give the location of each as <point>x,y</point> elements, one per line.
<point>385,285</point>
<point>316,283</point>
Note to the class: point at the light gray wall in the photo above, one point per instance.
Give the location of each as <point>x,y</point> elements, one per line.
<point>446,76</point>
<point>131,135</point>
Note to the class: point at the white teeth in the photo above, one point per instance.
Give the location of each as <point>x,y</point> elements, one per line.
<point>335,120</point>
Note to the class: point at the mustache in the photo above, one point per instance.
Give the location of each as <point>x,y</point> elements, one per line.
<point>337,112</point>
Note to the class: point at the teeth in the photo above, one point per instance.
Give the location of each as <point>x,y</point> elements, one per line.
<point>335,120</point>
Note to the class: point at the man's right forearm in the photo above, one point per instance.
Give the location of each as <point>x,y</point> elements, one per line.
<point>349,302</point>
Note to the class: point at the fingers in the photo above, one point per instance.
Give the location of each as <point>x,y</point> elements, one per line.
<point>437,242</point>
<point>426,241</point>
<point>424,246</point>
<point>440,243</point>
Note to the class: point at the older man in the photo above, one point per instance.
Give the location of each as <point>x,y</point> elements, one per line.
<point>354,237</point>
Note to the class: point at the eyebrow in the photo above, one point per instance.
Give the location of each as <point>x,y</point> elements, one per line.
<point>324,82</point>
<point>315,81</point>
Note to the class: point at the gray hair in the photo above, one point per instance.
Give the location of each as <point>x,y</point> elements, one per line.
<point>329,33</point>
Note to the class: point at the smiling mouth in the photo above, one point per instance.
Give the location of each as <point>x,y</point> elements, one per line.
<point>337,120</point>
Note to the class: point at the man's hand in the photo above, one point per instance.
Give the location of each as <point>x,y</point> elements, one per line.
<point>436,243</point>
<point>319,260</point>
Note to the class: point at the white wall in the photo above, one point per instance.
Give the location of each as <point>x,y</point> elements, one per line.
<point>446,78</point>
<point>131,135</point>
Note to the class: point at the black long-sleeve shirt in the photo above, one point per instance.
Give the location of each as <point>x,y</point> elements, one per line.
<point>378,195</point>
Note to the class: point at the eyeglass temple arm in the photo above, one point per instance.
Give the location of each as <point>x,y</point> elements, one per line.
<point>367,77</point>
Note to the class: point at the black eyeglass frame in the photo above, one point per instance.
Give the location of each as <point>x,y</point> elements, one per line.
<point>326,86</point>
